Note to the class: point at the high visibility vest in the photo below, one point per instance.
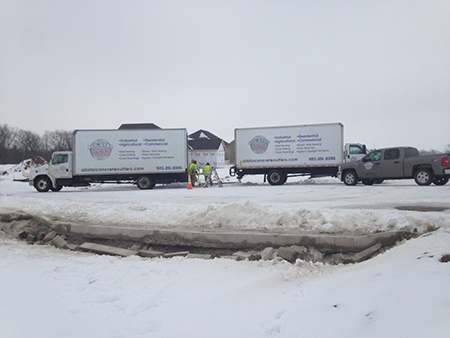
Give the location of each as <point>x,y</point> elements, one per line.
<point>193,168</point>
<point>206,169</point>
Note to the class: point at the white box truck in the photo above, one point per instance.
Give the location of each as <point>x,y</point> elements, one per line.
<point>143,157</point>
<point>280,152</point>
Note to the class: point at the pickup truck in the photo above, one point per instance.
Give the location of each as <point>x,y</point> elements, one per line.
<point>396,163</point>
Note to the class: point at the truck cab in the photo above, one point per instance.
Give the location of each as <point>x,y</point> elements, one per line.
<point>53,175</point>
<point>354,152</point>
<point>61,165</point>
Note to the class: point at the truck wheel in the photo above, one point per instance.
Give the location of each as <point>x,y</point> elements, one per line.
<point>145,182</point>
<point>42,184</point>
<point>440,181</point>
<point>350,178</point>
<point>276,177</point>
<point>368,182</point>
<point>58,188</point>
<point>423,177</point>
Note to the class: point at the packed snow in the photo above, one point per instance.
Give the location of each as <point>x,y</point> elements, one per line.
<point>50,292</point>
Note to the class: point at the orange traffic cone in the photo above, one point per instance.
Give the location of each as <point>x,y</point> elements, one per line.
<point>189,182</point>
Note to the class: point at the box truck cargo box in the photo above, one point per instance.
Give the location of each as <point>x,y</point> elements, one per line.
<point>279,152</point>
<point>144,157</point>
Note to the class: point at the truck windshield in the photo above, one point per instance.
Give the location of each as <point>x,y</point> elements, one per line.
<point>60,158</point>
<point>373,156</point>
<point>355,149</point>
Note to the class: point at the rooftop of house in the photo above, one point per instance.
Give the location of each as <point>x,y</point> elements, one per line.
<point>204,135</point>
<point>204,144</point>
<point>135,126</point>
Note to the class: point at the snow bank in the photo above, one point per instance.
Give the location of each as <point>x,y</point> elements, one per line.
<point>47,292</point>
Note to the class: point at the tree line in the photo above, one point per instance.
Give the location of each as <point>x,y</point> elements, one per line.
<point>17,145</point>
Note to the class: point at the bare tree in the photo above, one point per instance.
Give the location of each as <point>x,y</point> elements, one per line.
<point>17,145</point>
<point>7,135</point>
<point>28,143</point>
<point>424,152</point>
<point>59,140</point>
<point>447,148</point>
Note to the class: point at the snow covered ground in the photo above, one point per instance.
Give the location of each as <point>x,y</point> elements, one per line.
<point>48,292</point>
<point>321,205</point>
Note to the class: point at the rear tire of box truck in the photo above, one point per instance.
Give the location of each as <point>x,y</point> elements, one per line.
<point>276,177</point>
<point>145,182</point>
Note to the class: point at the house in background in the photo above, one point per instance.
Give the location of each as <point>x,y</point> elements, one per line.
<point>205,147</point>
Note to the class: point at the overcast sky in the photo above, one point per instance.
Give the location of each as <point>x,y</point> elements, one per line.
<point>382,68</point>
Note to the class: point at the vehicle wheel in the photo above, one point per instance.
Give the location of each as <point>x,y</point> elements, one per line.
<point>42,184</point>
<point>276,177</point>
<point>350,178</point>
<point>58,188</point>
<point>368,182</point>
<point>378,181</point>
<point>145,182</point>
<point>423,177</point>
<point>440,181</point>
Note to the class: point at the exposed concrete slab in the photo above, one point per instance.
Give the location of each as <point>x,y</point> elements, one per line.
<point>366,254</point>
<point>150,253</point>
<point>233,258</point>
<point>198,256</point>
<point>251,256</point>
<point>31,238</point>
<point>106,249</point>
<point>268,254</point>
<point>59,242</point>
<point>236,239</point>
<point>288,253</point>
<point>72,247</point>
<point>176,254</point>
<point>50,236</point>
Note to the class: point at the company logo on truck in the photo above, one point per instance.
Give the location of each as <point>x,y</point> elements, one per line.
<point>259,144</point>
<point>100,149</point>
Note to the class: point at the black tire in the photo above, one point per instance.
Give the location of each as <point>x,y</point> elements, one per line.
<point>368,182</point>
<point>440,181</point>
<point>145,182</point>
<point>378,181</point>
<point>276,177</point>
<point>423,177</point>
<point>42,184</point>
<point>350,178</point>
<point>58,188</point>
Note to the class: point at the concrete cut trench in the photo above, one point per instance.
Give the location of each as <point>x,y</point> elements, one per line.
<point>327,248</point>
